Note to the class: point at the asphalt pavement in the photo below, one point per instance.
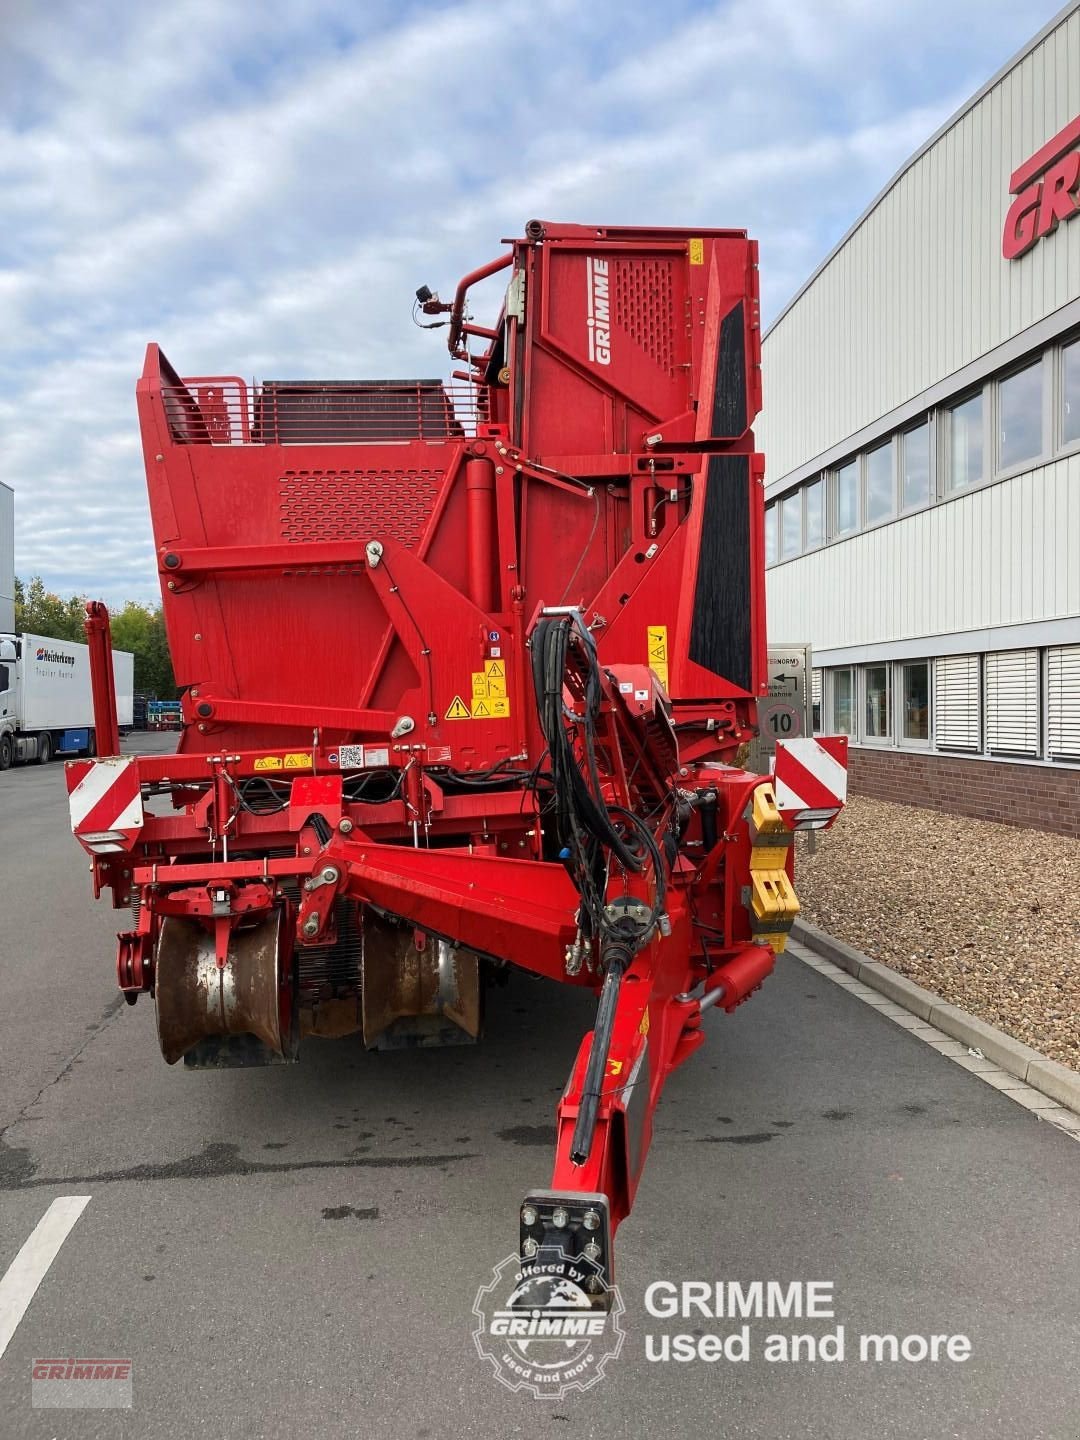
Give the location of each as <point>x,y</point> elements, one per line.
<point>296,1250</point>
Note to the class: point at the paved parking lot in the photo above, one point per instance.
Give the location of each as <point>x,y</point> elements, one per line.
<point>297,1250</point>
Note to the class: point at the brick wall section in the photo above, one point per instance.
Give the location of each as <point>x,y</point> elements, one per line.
<point>1033,796</point>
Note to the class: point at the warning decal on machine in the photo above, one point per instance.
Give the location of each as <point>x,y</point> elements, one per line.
<point>268,762</point>
<point>697,251</point>
<point>298,760</point>
<point>489,699</point>
<point>658,652</point>
<point>458,710</point>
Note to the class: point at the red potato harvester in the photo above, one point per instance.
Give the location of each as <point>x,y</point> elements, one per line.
<point>468,674</point>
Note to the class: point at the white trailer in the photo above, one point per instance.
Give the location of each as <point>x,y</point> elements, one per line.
<point>46,706</point>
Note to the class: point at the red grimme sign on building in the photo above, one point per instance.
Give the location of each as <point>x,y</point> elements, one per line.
<point>1047,190</point>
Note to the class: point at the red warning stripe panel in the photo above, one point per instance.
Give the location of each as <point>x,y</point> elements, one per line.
<point>104,795</point>
<point>811,774</point>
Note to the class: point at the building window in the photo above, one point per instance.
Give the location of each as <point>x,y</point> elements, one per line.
<point>876,684</point>
<point>843,701</point>
<point>1012,702</point>
<point>815,514</point>
<point>957,703</point>
<point>966,443</point>
<point>915,701</point>
<point>880,488</point>
<point>846,480</point>
<point>1020,416</point>
<point>791,525</point>
<point>916,463</point>
<point>770,535</point>
<point>815,701</point>
<point>1063,702</point>
<point>1070,381</point>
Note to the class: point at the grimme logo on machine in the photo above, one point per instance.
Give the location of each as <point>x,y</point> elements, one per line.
<point>1047,190</point>
<point>54,657</point>
<point>539,1329</point>
<point>599,308</point>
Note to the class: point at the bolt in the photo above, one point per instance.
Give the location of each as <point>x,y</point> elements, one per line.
<point>345,825</point>
<point>330,874</point>
<point>311,925</point>
<point>529,1248</point>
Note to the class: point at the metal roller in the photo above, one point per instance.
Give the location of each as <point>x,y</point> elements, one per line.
<point>197,999</point>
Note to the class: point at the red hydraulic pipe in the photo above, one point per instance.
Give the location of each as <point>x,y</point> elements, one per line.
<point>457,313</point>
<point>480,531</point>
<point>102,682</point>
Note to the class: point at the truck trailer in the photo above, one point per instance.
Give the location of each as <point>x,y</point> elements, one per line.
<point>46,706</point>
<point>525,616</point>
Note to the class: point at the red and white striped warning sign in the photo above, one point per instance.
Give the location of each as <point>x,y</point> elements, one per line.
<point>105,803</point>
<point>810,780</point>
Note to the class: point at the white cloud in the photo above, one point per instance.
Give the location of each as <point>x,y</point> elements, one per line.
<point>260,187</point>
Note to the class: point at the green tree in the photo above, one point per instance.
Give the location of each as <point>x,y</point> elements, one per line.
<point>141,629</point>
<point>41,612</point>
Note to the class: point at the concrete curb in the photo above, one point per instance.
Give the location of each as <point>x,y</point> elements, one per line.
<point>1052,1079</point>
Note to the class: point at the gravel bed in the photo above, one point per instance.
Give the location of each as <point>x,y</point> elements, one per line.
<point>986,915</point>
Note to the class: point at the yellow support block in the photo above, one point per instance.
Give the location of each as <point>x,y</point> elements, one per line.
<point>765,818</point>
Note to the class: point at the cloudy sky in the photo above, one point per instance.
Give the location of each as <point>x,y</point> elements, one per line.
<point>260,185</point>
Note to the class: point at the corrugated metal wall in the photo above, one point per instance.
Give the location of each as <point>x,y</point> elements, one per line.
<point>1003,555</point>
<point>921,289</point>
<point>7,558</point>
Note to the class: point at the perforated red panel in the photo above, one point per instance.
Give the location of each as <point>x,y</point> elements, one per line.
<point>643,306</point>
<point>358,504</point>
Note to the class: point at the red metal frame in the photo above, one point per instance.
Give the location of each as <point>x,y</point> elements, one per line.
<point>352,622</point>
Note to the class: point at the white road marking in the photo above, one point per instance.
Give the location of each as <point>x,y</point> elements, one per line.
<point>31,1264</point>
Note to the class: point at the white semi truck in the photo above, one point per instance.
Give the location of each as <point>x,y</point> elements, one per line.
<point>45,702</point>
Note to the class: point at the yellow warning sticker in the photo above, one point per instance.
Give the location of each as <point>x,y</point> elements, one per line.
<point>298,760</point>
<point>643,1028</point>
<point>697,252</point>
<point>658,652</point>
<point>489,690</point>
<point>614,1067</point>
<point>458,709</point>
<point>268,762</point>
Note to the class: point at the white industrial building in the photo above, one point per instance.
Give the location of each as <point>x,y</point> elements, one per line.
<point>922,436</point>
<point>7,558</point>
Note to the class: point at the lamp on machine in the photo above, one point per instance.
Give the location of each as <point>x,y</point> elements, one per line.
<point>429,302</point>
